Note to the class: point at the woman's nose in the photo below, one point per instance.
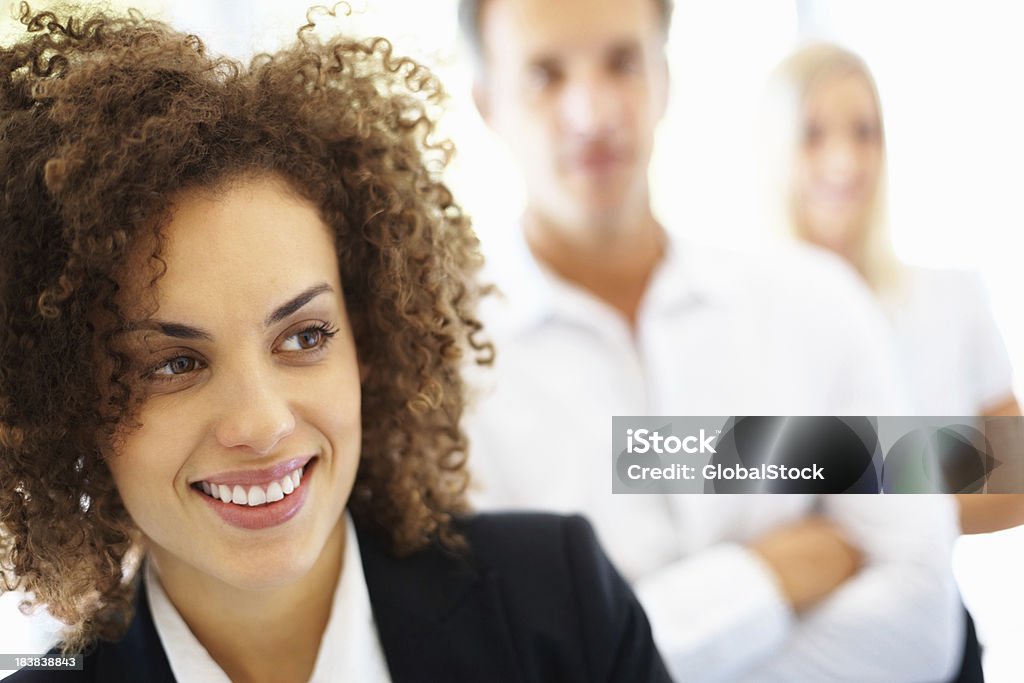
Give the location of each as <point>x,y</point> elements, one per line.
<point>842,159</point>
<point>256,415</point>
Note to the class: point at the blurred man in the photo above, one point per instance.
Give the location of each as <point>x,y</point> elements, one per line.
<point>605,313</point>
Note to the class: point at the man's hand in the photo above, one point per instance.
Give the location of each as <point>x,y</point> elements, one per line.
<point>810,558</point>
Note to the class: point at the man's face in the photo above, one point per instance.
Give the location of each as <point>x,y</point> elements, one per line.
<point>576,89</point>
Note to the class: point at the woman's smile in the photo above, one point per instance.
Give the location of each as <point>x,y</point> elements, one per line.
<point>258,499</point>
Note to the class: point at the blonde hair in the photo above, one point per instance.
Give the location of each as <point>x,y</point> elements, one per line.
<point>781,133</point>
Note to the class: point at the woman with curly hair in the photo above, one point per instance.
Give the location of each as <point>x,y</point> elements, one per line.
<point>234,303</point>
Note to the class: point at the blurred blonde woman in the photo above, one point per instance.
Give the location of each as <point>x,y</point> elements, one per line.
<point>826,135</point>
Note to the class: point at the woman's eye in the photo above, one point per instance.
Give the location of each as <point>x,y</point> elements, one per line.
<point>307,340</point>
<point>179,365</point>
<point>865,132</point>
<point>813,135</point>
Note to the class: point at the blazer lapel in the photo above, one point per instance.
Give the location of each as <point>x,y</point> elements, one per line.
<point>138,656</point>
<point>438,616</point>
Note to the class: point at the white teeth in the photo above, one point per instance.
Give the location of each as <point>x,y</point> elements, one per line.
<point>257,496</point>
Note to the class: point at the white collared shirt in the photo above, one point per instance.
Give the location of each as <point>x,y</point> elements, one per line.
<point>949,342</point>
<point>349,649</point>
<point>783,332</point>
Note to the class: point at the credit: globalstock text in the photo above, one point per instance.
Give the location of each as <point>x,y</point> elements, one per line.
<point>641,441</point>
<point>821,454</point>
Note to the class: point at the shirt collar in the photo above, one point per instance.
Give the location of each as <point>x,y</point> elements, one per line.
<point>531,294</point>
<point>349,648</point>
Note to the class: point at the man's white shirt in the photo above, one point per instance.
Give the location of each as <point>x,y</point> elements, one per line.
<point>785,331</point>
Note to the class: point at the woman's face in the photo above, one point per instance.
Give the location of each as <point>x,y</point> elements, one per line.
<point>253,390</point>
<point>839,162</point>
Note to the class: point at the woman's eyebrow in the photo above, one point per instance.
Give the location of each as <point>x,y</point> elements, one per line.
<point>182,331</point>
<point>294,304</point>
<point>176,330</point>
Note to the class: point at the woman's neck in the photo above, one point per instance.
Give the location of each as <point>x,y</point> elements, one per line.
<point>264,635</point>
<point>844,245</point>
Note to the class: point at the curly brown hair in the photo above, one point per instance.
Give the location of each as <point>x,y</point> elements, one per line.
<point>103,119</point>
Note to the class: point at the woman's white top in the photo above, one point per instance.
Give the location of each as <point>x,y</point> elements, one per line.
<point>349,649</point>
<point>952,351</point>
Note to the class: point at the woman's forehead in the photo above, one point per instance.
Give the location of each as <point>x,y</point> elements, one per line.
<point>846,91</point>
<point>236,250</point>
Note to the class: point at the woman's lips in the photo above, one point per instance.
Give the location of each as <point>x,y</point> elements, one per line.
<point>259,507</point>
<point>259,477</point>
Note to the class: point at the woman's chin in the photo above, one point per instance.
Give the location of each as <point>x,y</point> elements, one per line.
<point>264,573</point>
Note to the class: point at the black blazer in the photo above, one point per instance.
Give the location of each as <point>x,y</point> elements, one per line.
<point>535,600</point>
